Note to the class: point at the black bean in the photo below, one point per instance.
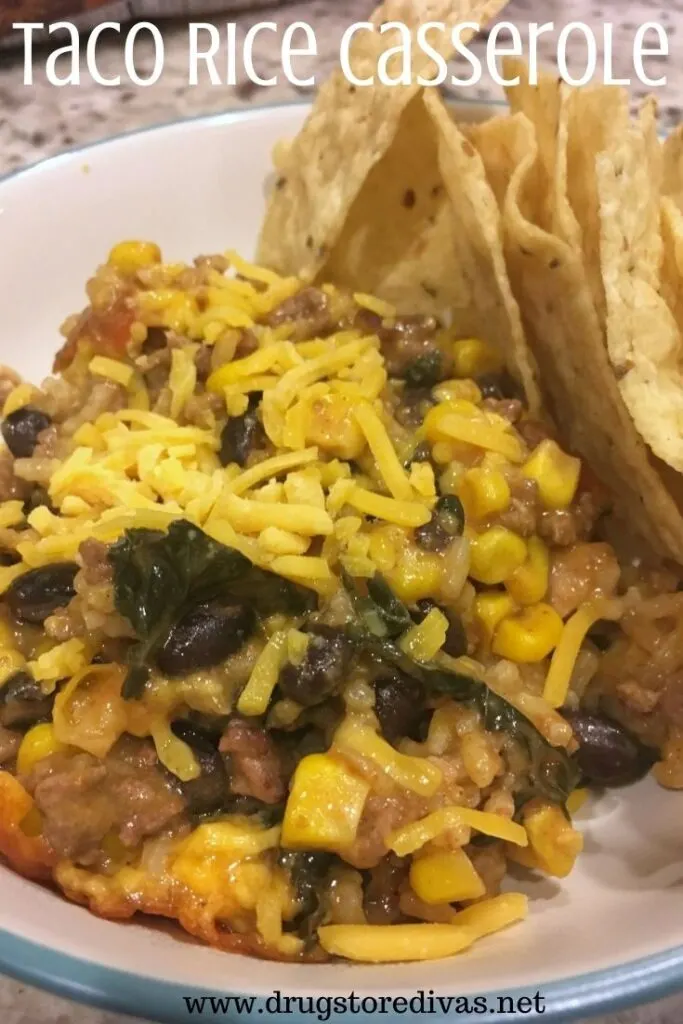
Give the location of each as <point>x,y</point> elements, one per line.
<point>156,340</point>
<point>22,702</point>
<point>37,497</point>
<point>204,637</point>
<point>9,558</point>
<point>425,371</point>
<point>307,870</point>
<point>447,522</point>
<point>608,755</point>
<point>21,428</point>
<point>39,592</point>
<point>399,704</point>
<point>209,791</point>
<point>240,436</point>
<point>498,385</point>
<point>455,643</point>
<point>322,670</point>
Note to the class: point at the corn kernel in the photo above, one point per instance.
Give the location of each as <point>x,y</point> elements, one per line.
<point>496,554</point>
<point>553,839</point>
<point>576,800</point>
<point>432,421</point>
<point>130,257</point>
<point>473,357</point>
<point>529,636</point>
<point>38,743</point>
<point>490,608</point>
<point>324,806</point>
<point>529,583</point>
<point>555,473</point>
<point>484,492</point>
<point>450,390</point>
<point>386,543</point>
<point>11,661</point>
<point>425,639</point>
<point>416,575</point>
<point>445,876</point>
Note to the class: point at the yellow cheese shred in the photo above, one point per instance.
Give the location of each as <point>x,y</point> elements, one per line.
<point>573,634</point>
<point>402,513</point>
<point>256,695</point>
<point>388,464</point>
<point>413,837</point>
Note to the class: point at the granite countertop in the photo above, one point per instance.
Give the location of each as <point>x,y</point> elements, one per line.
<point>41,120</point>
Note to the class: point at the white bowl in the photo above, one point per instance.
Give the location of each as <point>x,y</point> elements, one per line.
<point>609,936</point>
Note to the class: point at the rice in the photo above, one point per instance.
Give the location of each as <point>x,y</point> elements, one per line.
<point>401,670</point>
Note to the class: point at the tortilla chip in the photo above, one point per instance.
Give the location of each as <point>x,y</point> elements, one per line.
<point>491,310</point>
<point>643,338</point>
<point>348,131</point>
<point>672,166</point>
<point>672,260</point>
<point>551,287</point>
<point>398,237</point>
<point>541,105</point>
<point>572,126</point>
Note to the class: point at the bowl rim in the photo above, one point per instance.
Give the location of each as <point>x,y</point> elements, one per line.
<point>610,989</point>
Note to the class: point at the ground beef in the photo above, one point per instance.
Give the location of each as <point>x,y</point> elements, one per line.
<point>521,516</point>
<point>381,815</point>
<point>93,555</point>
<point>10,485</point>
<point>83,799</point>
<point>413,406</point>
<point>308,311</point>
<point>257,769</point>
<point>9,744</point>
<point>580,573</point>
<point>8,382</point>
<point>533,432</point>
<point>510,409</point>
<point>407,340</point>
<point>103,396</point>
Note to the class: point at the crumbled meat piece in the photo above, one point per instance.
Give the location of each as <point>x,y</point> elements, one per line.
<point>409,339</point>
<point>381,815</point>
<point>308,311</point>
<point>510,409</point>
<point>202,361</point>
<point>522,513</point>
<point>414,405</point>
<point>93,556</point>
<point>256,765</point>
<point>639,698</point>
<point>10,485</point>
<point>9,744</point>
<point>558,528</point>
<point>104,396</point>
<point>8,382</point>
<point>248,343</point>
<point>533,432</point>
<point>82,799</point>
<point>672,699</point>
<point>582,572</point>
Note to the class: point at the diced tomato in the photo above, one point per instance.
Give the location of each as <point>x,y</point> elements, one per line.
<point>107,332</point>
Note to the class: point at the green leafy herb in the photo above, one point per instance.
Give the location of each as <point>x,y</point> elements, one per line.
<point>158,577</point>
<point>552,774</point>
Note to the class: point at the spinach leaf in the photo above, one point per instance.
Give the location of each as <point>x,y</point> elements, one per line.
<point>552,773</point>
<point>158,577</point>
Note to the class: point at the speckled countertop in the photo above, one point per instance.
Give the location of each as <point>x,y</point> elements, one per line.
<point>40,120</point>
